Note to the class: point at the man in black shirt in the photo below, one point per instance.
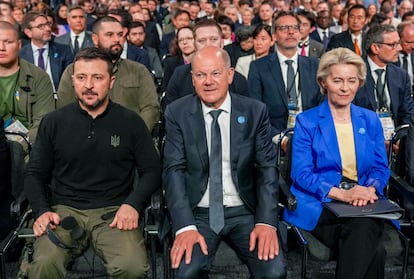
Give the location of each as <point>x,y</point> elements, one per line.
<point>88,152</point>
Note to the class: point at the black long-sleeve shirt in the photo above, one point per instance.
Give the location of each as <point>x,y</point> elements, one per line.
<point>90,163</point>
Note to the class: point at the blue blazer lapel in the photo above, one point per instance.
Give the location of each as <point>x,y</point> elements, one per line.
<point>327,129</point>
<point>276,72</point>
<point>196,122</point>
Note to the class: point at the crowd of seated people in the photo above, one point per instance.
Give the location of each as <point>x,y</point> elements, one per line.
<point>234,57</point>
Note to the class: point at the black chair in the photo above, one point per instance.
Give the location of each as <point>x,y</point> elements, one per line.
<point>19,147</point>
<point>395,242</point>
<point>401,187</point>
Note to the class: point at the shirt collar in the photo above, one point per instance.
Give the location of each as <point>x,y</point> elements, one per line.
<point>283,58</point>
<point>225,106</point>
<point>374,66</point>
<point>35,48</point>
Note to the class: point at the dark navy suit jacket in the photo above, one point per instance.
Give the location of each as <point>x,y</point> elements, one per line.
<point>266,85</point>
<point>60,56</point>
<point>165,43</point>
<point>399,89</point>
<point>344,39</point>
<point>181,84</point>
<point>314,35</point>
<point>186,160</point>
<point>139,55</point>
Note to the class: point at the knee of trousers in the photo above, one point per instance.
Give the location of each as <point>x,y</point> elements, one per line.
<point>190,271</point>
<point>47,265</point>
<point>127,267</point>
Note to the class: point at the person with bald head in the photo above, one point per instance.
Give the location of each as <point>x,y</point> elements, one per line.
<point>26,95</point>
<point>26,92</point>
<point>220,180</point>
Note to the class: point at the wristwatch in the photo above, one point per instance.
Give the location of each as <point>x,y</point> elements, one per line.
<point>346,185</point>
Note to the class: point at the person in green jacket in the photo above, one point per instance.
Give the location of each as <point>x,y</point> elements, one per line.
<point>26,92</point>
<point>134,87</point>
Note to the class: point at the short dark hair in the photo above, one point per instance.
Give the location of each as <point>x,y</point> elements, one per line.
<point>93,53</point>
<point>126,18</point>
<point>375,34</point>
<point>136,24</point>
<point>29,17</point>
<point>407,14</point>
<point>308,15</point>
<point>179,12</point>
<point>76,7</point>
<point>97,24</point>
<point>243,33</point>
<point>225,20</point>
<point>358,6</point>
<point>259,28</point>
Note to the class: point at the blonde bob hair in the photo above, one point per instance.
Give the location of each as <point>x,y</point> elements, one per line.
<point>340,56</point>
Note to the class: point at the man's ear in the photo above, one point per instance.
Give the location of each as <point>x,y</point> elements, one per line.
<point>95,39</point>
<point>27,32</point>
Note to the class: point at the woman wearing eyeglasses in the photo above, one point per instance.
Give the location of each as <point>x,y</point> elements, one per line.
<point>184,51</point>
<point>338,154</point>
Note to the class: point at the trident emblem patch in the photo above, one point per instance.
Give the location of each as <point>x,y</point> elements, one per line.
<point>115,140</point>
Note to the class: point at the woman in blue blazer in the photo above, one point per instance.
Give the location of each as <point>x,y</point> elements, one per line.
<point>339,154</point>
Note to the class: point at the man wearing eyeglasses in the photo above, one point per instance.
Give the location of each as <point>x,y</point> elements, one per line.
<point>406,57</point>
<point>353,37</point>
<point>283,80</point>
<point>387,89</point>
<point>52,57</point>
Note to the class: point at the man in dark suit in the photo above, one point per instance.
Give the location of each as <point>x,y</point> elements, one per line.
<point>50,56</point>
<point>406,57</point>
<point>322,33</point>
<point>220,179</point>
<point>77,38</point>
<point>269,80</point>
<point>387,89</point>
<point>352,39</point>
<point>129,51</point>
<point>308,46</point>
<point>206,33</point>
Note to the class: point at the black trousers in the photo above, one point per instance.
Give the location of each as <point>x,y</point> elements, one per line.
<point>238,224</point>
<point>357,244</point>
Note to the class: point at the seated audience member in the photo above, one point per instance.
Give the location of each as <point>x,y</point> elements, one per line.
<point>353,36</point>
<point>262,44</point>
<point>134,87</point>
<point>61,18</point>
<point>180,18</point>
<point>49,56</point>
<point>185,51</point>
<point>308,46</point>
<point>26,91</point>
<point>242,46</point>
<point>77,37</point>
<point>247,15</point>
<point>339,155</point>
<point>137,36</point>
<point>129,51</point>
<point>235,199</point>
<point>227,28</point>
<point>82,167</point>
<point>206,32</point>
<point>388,87</point>
<point>284,80</point>
<point>5,186</point>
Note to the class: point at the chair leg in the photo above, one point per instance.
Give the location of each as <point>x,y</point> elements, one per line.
<point>153,239</point>
<point>5,245</point>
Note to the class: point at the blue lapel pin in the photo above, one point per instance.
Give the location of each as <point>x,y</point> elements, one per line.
<point>241,119</point>
<point>361,131</point>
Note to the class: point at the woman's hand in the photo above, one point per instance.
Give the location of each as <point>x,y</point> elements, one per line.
<point>357,196</point>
